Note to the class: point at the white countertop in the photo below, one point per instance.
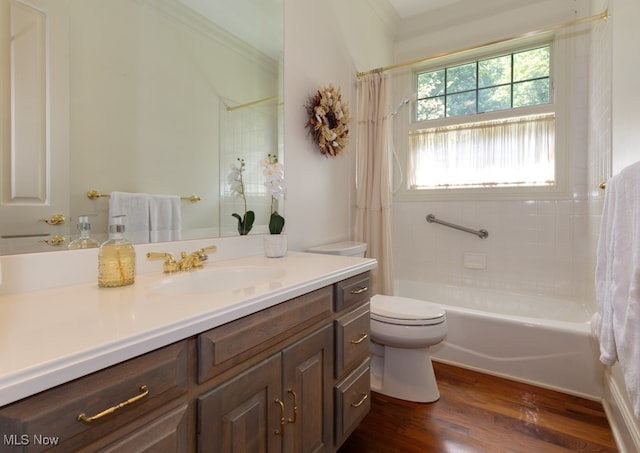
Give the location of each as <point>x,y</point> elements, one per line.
<point>52,336</point>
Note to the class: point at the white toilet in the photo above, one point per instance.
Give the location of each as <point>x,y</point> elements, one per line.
<point>402,331</point>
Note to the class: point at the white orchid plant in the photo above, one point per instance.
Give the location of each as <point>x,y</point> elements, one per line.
<point>245,223</point>
<point>273,172</point>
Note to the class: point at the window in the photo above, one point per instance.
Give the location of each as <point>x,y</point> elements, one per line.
<point>488,123</point>
<point>508,81</point>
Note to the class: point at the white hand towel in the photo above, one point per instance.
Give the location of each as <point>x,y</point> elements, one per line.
<point>602,320</point>
<point>618,279</point>
<point>165,218</point>
<point>135,206</point>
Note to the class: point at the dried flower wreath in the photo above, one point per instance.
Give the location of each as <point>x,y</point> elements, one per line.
<point>328,121</point>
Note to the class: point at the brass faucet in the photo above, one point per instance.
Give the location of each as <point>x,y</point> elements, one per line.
<point>189,262</point>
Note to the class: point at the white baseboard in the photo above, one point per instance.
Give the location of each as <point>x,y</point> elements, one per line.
<point>624,425</point>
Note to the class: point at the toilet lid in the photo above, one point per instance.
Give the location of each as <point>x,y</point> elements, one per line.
<point>405,311</point>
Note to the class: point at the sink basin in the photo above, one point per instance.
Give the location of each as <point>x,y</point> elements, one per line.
<point>218,279</point>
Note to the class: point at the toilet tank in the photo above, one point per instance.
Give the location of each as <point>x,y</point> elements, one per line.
<point>345,248</point>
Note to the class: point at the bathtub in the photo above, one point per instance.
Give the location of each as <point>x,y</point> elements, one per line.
<point>534,339</point>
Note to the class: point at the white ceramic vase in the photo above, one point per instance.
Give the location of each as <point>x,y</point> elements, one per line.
<point>275,245</point>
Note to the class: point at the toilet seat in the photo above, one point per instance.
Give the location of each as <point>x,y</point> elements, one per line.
<point>405,311</point>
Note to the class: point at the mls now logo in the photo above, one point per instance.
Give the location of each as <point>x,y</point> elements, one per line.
<point>25,439</point>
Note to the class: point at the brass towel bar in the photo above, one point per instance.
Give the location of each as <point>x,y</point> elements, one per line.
<point>94,194</point>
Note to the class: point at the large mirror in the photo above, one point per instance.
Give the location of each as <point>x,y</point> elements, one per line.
<point>139,96</point>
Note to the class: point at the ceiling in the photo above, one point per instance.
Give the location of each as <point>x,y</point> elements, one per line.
<point>408,8</point>
<point>257,22</point>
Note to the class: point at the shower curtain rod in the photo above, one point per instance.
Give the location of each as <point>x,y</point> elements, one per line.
<point>602,16</point>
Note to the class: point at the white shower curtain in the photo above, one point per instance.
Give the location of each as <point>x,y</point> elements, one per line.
<point>373,179</point>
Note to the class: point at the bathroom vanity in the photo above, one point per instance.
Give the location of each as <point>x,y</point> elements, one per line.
<point>281,364</point>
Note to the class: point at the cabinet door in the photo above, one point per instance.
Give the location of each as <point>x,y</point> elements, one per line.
<point>243,414</point>
<point>307,392</point>
<point>34,131</point>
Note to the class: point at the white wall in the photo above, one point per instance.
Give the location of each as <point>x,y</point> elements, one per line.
<point>325,43</point>
<point>626,133</point>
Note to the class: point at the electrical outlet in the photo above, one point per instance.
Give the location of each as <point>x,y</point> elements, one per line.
<point>475,260</point>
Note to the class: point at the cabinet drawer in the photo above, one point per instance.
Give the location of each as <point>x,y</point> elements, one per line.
<point>164,430</point>
<point>54,413</point>
<point>353,401</point>
<point>227,345</point>
<point>352,291</point>
<point>352,338</point>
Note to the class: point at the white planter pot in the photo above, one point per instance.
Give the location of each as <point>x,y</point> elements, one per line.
<point>275,245</point>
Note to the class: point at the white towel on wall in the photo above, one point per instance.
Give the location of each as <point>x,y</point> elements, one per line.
<point>617,321</point>
<point>165,218</point>
<point>135,206</point>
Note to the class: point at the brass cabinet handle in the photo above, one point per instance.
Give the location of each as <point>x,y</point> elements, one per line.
<point>280,432</point>
<point>363,337</point>
<point>144,392</point>
<point>364,398</point>
<point>360,291</point>
<point>55,219</point>
<point>295,406</point>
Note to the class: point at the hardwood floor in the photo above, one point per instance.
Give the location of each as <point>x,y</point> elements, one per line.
<point>481,413</point>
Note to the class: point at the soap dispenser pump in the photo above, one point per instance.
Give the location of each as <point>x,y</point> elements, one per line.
<point>84,241</point>
<point>116,258</point>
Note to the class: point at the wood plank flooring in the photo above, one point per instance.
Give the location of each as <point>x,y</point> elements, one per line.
<point>485,414</point>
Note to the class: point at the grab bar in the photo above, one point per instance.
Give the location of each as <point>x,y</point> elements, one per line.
<point>482,234</point>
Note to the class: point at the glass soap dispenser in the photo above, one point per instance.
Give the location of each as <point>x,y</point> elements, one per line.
<point>116,258</point>
<point>84,241</point>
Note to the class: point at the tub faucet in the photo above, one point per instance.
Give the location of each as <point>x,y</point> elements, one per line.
<point>188,262</point>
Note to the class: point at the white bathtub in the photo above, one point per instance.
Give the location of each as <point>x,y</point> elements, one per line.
<point>534,339</point>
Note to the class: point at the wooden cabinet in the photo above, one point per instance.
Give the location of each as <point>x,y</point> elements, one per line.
<point>76,414</point>
<point>281,404</point>
<point>166,429</point>
<point>239,416</point>
<point>308,391</point>
<point>353,401</point>
<point>293,377</point>
<point>352,342</point>
<point>352,291</point>
<point>236,342</point>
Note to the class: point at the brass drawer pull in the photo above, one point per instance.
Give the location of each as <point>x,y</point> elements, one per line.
<point>361,339</point>
<point>83,418</point>
<point>56,239</point>
<point>280,432</point>
<point>295,407</point>
<point>364,398</point>
<point>362,289</point>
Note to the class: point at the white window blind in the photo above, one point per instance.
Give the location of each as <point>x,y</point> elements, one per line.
<point>510,152</point>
